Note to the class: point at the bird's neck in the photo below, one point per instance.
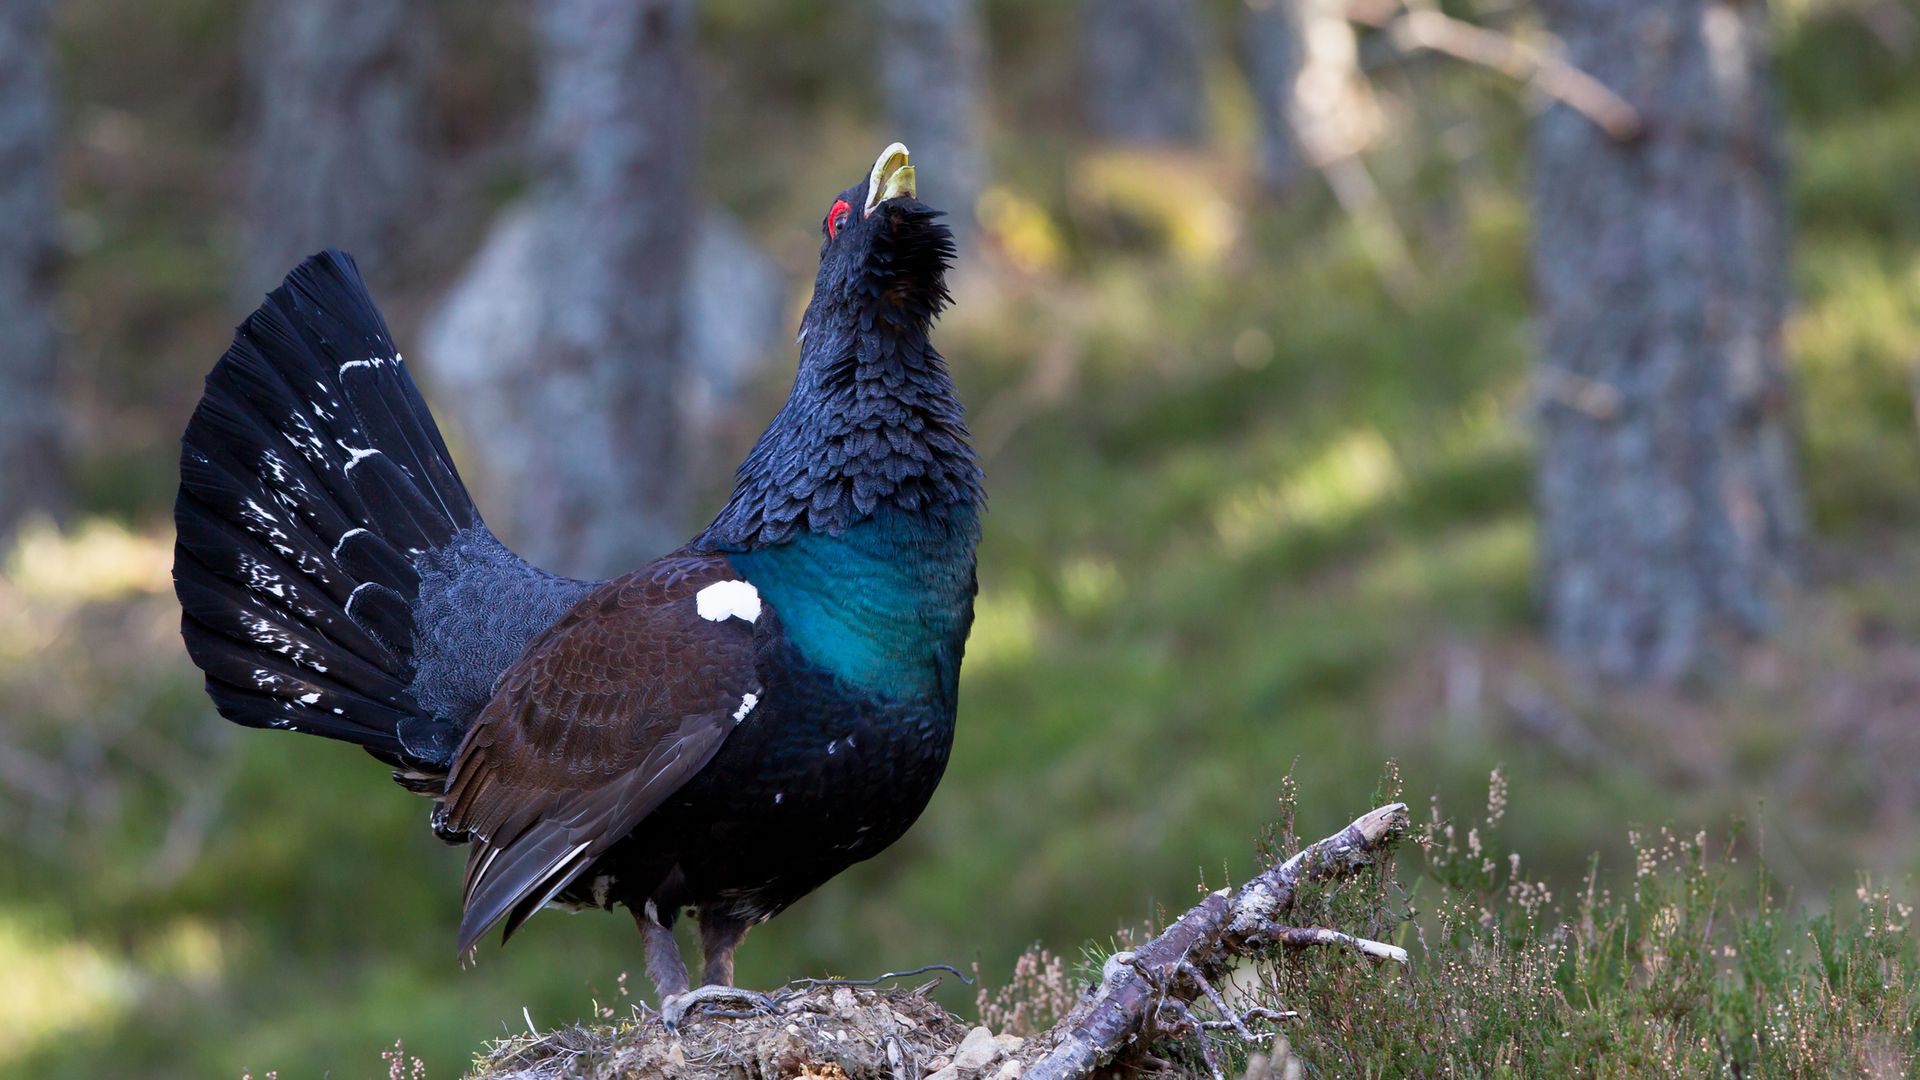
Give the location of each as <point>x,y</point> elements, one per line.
<point>872,424</point>
<point>858,511</point>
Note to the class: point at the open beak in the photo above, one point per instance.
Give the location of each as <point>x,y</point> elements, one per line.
<point>892,178</point>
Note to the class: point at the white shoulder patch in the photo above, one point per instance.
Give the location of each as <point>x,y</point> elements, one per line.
<point>728,600</point>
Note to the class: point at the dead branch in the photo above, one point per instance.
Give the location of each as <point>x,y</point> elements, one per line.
<point>1300,937</point>
<point>1427,28</point>
<point>1161,978</point>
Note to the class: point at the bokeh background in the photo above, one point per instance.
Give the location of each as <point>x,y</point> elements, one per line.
<point>1254,319</point>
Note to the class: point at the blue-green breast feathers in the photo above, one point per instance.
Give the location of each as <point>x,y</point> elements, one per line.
<point>885,604</point>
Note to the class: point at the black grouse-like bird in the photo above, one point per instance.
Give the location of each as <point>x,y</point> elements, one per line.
<point>722,730</point>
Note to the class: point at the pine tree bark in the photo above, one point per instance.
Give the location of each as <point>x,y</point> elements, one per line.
<point>1272,50</point>
<point>933,69</point>
<point>1144,69</point>
<point>1313,106</point>
<point>31,412</point>
<point>1669,503</point>
<point>562,351</point>
<point>337,157</point>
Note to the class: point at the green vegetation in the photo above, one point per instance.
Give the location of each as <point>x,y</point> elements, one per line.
<point>1689,966</point>
<point>1249,514</point>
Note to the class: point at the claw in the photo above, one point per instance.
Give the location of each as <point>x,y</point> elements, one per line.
<point>675,1009</point>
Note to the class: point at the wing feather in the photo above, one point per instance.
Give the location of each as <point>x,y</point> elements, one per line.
<point>603,718</point>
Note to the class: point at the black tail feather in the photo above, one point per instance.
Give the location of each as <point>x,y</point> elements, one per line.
<point>312,477</point>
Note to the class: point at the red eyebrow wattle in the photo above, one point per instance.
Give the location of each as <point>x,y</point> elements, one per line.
<point>833,217</point>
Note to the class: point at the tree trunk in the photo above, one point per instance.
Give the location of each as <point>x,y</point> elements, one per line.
<point>1670,509</point>
<point>1145,71</point>
<point>562,350</point>
<point>31,459</point>
<point>1272,49</point>
<point>933,62</point>
<point>1315,108</point>
<point>337,158</point>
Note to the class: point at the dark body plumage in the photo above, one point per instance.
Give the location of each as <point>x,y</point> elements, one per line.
<point>724,729</point>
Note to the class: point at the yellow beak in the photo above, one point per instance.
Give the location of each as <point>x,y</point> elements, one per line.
<point>892,178</point>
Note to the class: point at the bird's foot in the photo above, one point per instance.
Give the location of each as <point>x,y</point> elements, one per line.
<point>675,1008</point>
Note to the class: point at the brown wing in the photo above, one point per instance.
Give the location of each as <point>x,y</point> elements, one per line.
<point>604,716</point>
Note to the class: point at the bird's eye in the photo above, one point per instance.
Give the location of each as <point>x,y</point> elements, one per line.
<point>837,217</point>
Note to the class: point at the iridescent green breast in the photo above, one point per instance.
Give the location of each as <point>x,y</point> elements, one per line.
<point>885,604</point>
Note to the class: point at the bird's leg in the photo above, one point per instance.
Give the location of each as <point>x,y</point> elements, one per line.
<point>719,936</point>
<point>664,966</point>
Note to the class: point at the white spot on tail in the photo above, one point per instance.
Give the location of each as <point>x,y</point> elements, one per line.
<point>308,443</point>
<point>355,455</point>
<point>309,699</point>
<point>344,537</point>
<point>260,577</point>
<point>747,702</point>
<point>370,363</point>
<point>269,636</point>
<point>355,595</point>
<point>728,600</point>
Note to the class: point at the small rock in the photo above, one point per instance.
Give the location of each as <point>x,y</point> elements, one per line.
<point>1010,1070</point>
<point>951,1072</point>
<point>976,1050</point>
<point>939,1063</point>
<point>842,999</point>
<point>1009,1043</point>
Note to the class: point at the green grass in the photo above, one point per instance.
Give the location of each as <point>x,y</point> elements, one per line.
<point>1688,962</point>
<point>1685,962</point>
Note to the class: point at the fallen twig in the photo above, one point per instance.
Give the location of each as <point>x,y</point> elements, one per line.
<point>1428,28</point>
<point>889,976</point>
<point>1171,971</point>
<point>1300,937</point>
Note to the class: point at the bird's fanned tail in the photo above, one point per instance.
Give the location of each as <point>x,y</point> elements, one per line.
<point>315,492</point>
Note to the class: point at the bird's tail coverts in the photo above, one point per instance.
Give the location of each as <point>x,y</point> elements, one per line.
<point>311,477</point>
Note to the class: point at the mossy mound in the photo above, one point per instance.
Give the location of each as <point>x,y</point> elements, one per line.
<point>823,1033</point>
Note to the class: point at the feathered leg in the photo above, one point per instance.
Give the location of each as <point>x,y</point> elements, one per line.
<point>664,966</point>
<point>719,936</point>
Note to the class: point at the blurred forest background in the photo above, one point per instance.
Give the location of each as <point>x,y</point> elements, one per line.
<point>1465,383</point>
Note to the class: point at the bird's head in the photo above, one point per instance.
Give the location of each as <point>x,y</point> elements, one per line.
<point>883,253</point>
<point>872,420</point>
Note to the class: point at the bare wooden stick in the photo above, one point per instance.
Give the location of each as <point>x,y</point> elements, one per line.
<point>1300,937</point>
<point>1179,965</point>
<point>1425,27</point>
